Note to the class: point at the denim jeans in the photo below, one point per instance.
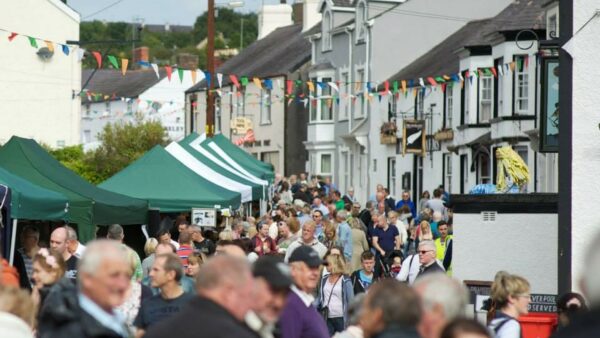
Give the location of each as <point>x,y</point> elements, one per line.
<point>335,325</point>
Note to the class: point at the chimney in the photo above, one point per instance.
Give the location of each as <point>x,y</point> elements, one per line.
<point>272,17</point>
<point>297,9</point>
<point>187,61</point>
<point>141,54</point>
<point>310,14</point>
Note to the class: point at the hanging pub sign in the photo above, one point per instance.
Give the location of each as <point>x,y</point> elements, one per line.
<point>240,125</point>
<point>413,137</point>
<point>549,126</point>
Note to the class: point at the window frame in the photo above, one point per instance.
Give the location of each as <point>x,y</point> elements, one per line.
<point>320,166</point>
<point>517,83</point>
<point>345,98</point>
<point>327,27</point>
<point>448,106</point>
<point>360,79</point>
<point>361,22</point>
<point>265,107</point>
<point>489,79</point>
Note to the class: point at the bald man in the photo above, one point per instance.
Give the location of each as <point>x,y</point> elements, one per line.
<point>58,243</point>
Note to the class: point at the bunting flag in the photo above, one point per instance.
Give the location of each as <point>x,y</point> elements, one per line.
<point>155,67</point>
<point>494,72</point>
<point>526,59</point>
<point>289,87</point>
<point>386,86</point>
<point>220,79</point>
<point>500,71</point>
<point>334,86</point>
<point>235,81</point>
<point>98,57</point>
<point>169,71</point>
<point>80,54</point>
<point>444,87</point>
<point>113,61</point>
<point>207,76</point>
<point>50,45</point>
<point>431,81</point>
<point>244,80</point>
<point>512,66</point>
<point>200,75</point>
<point>180,73</point>
<point>32,42</point>
<point>311,86</point>
<point>403,82</point>
<point>395,85</point>
<point>257,82</point>
<point>124,64</point>
<point>12,36</point>
<point>421,82</point>
<point>269,84</point>
<point>65,49</point>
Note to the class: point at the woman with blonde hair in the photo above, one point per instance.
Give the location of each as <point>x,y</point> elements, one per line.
<point>424,231</point>
<point>335,294</point>
<point>149,248</point>
<point>330,238</point>
<point>359,243</point>
<point>510,297</point>
<point>134,296</point>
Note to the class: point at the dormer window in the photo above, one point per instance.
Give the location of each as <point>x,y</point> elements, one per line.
<point>327,28</point>
<point>361,22</point>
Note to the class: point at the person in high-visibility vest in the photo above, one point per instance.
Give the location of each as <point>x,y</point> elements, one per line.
<point>443,247</point>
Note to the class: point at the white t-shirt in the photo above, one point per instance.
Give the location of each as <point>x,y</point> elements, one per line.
<point>510,329</point>
<point>409,270</point>
<point>402,230</point>
<point>336,305</point>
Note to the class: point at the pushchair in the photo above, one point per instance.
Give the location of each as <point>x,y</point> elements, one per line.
<point>386,263</point>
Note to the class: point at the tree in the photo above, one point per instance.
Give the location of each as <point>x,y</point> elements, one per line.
<point>123,143</point>
<point>74,158</point>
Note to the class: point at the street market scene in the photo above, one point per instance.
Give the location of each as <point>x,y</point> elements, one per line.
<point>299,169</point>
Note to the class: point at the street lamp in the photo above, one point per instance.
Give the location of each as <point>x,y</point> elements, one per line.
<point>210,54</point>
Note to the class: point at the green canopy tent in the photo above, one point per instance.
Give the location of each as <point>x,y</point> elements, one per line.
<point>258,189</point>
<point>88,205</point>
<point>168,185</point>
<point>29,201</point>
<point>220,146</point>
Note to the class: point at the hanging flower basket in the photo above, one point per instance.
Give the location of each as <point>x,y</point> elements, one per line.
<point>388,139</point>
<point>388,132</point>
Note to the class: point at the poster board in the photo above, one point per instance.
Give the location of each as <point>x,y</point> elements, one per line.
<point>204,217</point>
<point>413,137</point>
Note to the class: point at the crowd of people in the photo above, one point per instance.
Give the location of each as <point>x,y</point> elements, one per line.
<point>317,264</point>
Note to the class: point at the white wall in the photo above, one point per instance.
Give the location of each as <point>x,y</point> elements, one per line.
<point>271,17</point>
<point>523,244</point>
<point>586,160</point>
<point>36,97</point>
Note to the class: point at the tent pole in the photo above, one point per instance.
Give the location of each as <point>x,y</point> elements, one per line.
<point>13,241</point>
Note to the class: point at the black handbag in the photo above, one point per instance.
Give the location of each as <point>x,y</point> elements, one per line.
<point>324,310</point>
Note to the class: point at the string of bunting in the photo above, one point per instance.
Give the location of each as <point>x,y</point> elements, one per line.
<point>363,90</point>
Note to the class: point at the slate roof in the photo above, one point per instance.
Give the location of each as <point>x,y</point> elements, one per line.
<point>443,58</point>
<point>111,81</point>
<point>282,51</point>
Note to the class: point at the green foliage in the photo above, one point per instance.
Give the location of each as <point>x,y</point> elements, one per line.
<point>121,145</point>
<point>124,143</point>
<point>164,46</point>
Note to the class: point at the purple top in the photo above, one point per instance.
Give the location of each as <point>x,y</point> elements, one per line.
<point>300,321</point>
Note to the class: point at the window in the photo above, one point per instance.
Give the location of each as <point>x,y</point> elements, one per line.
<point>326,100</point>
<point>60,143</point>
<point>265,106</point>
<point>218,114</point>
<point>360,79</point>
<point>420,104</point>
<point>464,116</point>
<point>448,108</point>
<point>391,179</point>
<point>523,152</point>
<point>107,106</point>
<point>361,22</point>
<point>345,173</point>
<point>351,166</point>
<point>344,111</point>
<point>498,87</point>
<point>464,173</point>
<point>326,163</point>
<point>521,90</point>
<point>271,157</point>
<point>485,98</point>
<point>483,169</point>
<point>87,136</point>
<point>87,110</point>
<point>130,106</point>
<point>448,172</point>
<point>327,28</point>
<point>240,106</point>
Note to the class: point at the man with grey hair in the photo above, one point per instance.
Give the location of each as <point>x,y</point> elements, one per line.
<point>224,286</point>
<point>344,233</point>
<point>88,310</point>
<point>205,245</point>
<point>443,299</point>
<point>75,248</point>
<point>587,324</point>
<point>427,258</point>
<point>116,233</point>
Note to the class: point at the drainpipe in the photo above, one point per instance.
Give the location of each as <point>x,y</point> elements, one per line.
<point>368,77</point>
<point>350,75</point>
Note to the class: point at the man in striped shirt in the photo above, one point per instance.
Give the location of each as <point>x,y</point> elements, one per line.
<point>30,238</point>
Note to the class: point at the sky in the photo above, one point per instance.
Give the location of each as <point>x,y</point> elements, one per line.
<point>174,12</point>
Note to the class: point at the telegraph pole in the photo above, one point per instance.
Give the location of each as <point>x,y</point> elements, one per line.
<point>210,56</point>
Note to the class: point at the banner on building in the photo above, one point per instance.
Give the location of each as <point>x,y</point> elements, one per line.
<point>204,217</point>
<point>413,137</point>
<point>240,125</point>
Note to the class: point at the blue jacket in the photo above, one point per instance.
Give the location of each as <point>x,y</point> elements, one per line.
<point>344,234</point>
<point>347,295</point>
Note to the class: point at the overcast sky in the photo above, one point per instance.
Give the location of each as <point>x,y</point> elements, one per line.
<point>175,12</point>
